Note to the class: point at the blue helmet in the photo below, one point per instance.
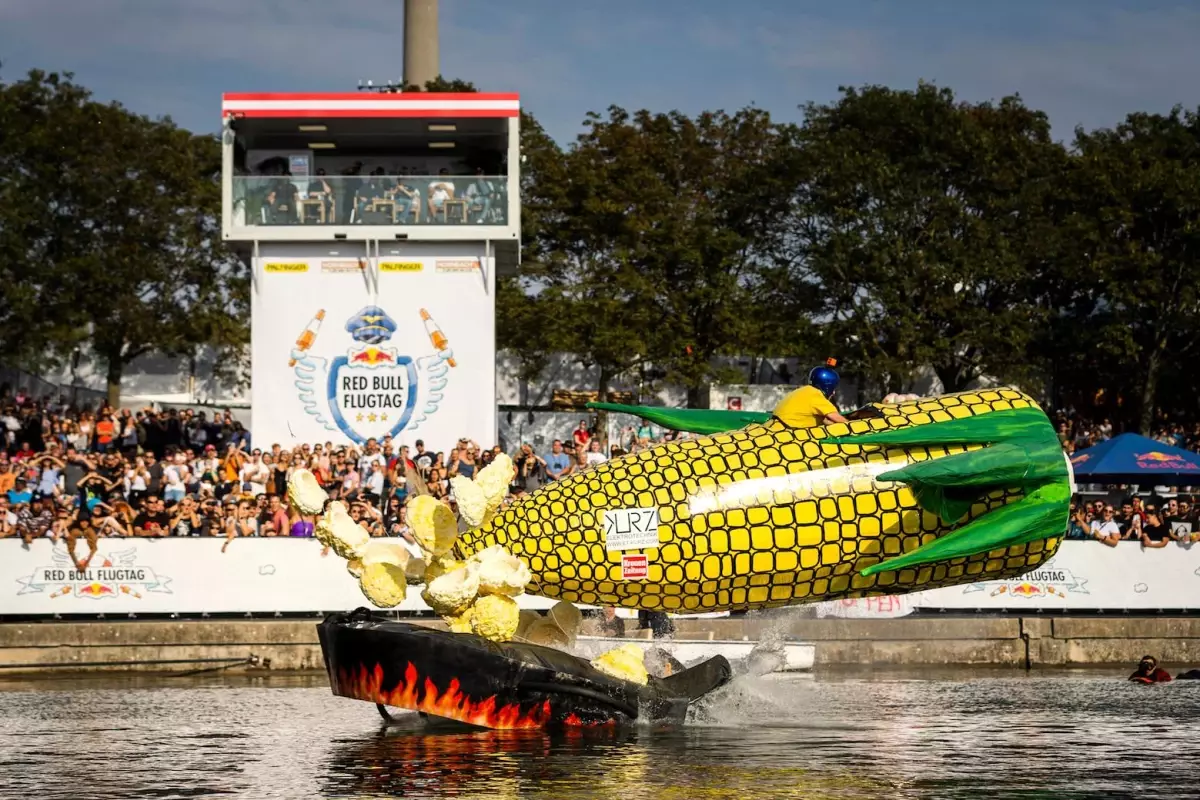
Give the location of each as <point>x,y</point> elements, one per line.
<point>825,379</point>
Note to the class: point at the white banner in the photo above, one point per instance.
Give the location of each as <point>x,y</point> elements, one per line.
<point>886,606</point>
<point>184,576</point>
<point>1088,575</point>
<point>347,347</point>
<point>1082,575</point>
<point>192,576</point>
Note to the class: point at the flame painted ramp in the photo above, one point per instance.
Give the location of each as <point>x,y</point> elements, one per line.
<point>466,678</point>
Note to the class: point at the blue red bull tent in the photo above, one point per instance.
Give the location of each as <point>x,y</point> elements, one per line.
<point>1133,459</point>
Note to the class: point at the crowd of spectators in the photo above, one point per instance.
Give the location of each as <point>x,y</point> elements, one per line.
<point>1079,433</point>
<point>1120,514</point>
<point>71,475</point>
<point>79,475</point>
<point>1153,522</point>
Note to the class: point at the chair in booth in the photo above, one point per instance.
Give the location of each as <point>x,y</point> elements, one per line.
<point>380,211</point>
<point>458,205</point>
<point>313,210</point>
<point>282,212</point>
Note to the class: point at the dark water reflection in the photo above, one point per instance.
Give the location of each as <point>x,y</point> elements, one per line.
<point>956,735</point>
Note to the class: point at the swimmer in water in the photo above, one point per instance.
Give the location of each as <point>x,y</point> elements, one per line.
<point>1148,671</point>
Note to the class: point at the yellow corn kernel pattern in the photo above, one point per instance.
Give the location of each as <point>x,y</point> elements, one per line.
<point>762,517</point>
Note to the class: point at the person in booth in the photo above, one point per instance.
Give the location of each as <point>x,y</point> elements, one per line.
<point>812,406</point>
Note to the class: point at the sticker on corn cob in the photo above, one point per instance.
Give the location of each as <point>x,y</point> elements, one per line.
<point>923,493</point>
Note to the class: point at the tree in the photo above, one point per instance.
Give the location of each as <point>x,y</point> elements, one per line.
<point>110,225</point>
<point>919,222</point>
<point>36,232</point>
<point>1129,282</point>
<point>658,252</point>
<point>528,325</point>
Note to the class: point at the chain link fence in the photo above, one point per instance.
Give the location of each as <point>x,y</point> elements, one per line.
<point>13,381</point>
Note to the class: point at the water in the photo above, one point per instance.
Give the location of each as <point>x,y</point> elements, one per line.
<point>949,735</point>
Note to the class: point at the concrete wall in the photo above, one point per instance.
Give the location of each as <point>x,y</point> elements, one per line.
<point>155,375</point>
<point>1014,642</point>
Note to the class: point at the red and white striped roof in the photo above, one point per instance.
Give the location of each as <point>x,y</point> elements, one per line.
<point>370,104</point>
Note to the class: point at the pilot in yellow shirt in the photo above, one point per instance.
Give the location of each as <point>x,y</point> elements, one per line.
<point>807,407</point>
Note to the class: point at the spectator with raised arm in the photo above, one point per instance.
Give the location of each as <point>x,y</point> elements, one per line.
<point>582,435</point>
<point>1106,529</point>
<point>463,459</point>
<point>531,469</point>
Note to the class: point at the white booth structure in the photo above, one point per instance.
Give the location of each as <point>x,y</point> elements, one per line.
<point>373,225</point>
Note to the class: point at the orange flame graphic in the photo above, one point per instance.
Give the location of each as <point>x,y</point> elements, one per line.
<point>365,684</point>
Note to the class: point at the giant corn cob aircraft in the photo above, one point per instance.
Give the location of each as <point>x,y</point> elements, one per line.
<point>760,511</point>
<point>959,489</point>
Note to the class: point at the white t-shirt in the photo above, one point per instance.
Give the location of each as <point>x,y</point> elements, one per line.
<point>173,476</point>
<point>377,459</point>
<point>256,475</point>
<point>1106,528</point>
<point>594,458</point>
<point>375,481</point>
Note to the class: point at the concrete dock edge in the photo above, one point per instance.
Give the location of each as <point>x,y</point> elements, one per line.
<point>291,644</point>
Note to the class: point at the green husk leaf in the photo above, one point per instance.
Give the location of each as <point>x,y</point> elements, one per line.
<point>1042,514</point>
<point>690,420</point>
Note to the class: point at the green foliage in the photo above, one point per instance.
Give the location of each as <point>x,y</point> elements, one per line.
<point>528,324</point>
<point>442,85</point>
<point>656,251</point>
<point>1129,283</point>
<point>896,230</point>
<point>920,220</point>
<point>109,232</point>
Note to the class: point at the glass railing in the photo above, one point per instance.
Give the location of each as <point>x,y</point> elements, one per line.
<point>370,200</point>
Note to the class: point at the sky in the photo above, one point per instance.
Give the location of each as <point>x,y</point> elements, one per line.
<point>1083,62</point>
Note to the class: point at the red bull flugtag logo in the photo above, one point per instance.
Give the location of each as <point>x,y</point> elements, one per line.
<point>1040,584</point>
<point>118,574</point>
<point>371,390</point>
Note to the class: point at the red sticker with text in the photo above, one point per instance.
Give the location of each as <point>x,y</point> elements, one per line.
<point>634,567</point>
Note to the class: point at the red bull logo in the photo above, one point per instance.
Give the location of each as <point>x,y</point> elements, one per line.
<point>372,356</point>
<point>1155,459</point>
<point>94,590</point>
